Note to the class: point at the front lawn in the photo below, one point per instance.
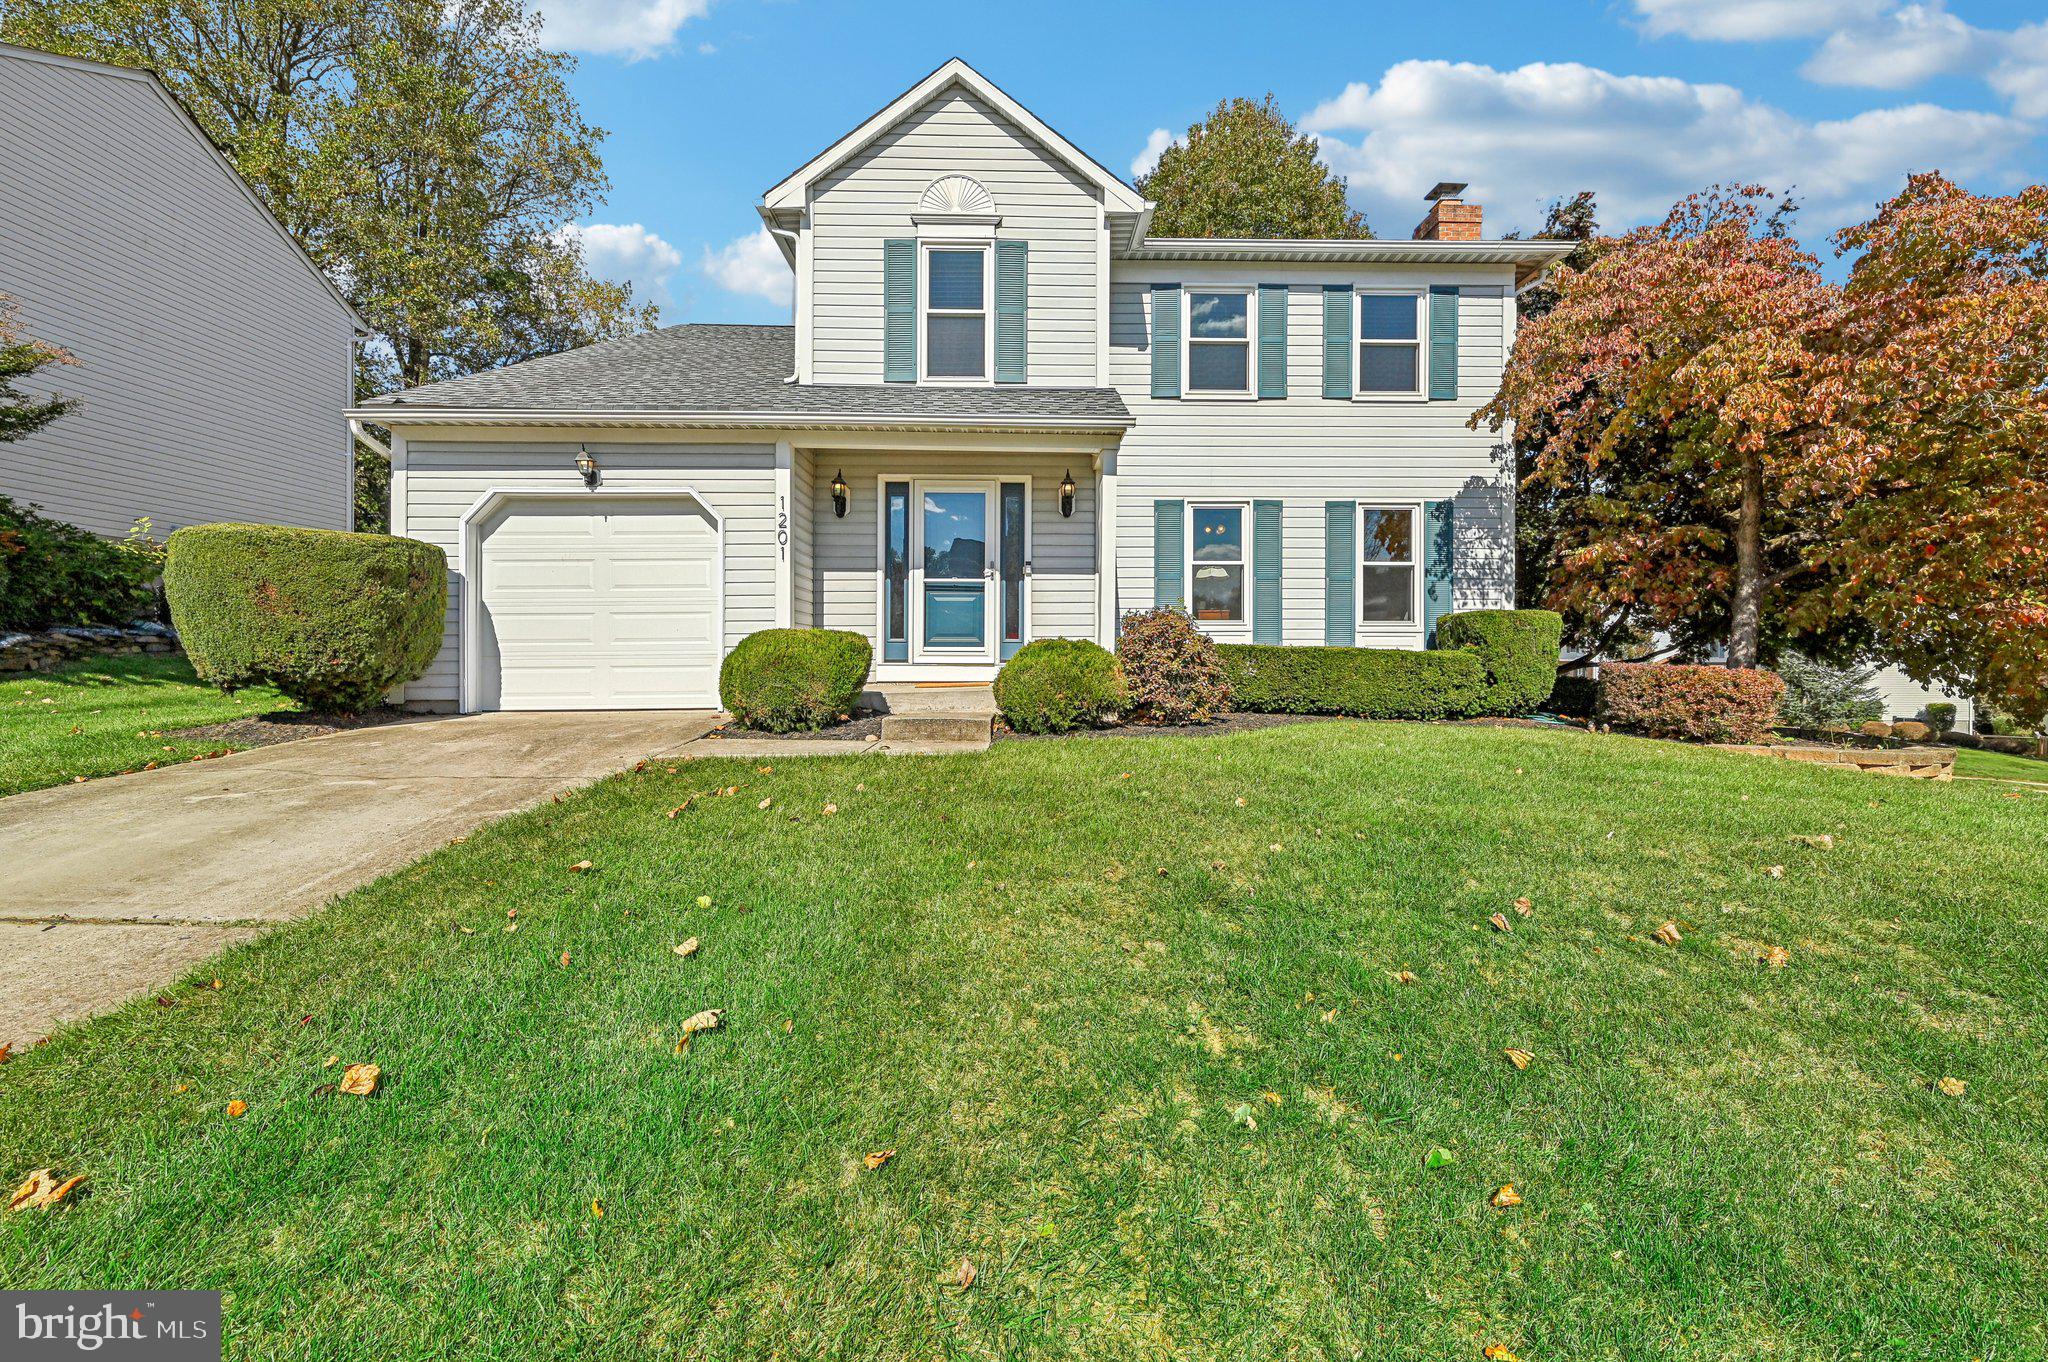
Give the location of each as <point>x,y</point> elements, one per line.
<point>106,715</point>
<point>1131,1016</point>
<point>1973,761</point>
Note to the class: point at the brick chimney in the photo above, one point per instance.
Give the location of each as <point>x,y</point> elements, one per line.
<point>1450,218</point>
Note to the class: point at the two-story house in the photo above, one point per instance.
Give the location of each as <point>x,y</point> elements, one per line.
<point>1005,411</point>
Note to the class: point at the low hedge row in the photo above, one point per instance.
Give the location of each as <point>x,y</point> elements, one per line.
<point>1692,703</point>
<point>791,680</point>
<point>1364,683</point>
<point>1518,648</point>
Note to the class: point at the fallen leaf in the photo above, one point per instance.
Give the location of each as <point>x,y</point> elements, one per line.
<point>1777,957</point>
<point>830,809</point>
<point>466,931</point>
<point>1240,801</point>
<point>360,1080</point>
<point>597,1208</point>
<point>6,1053</point>
<point>182,1087</point>
<point>964,1275</point>
<point>1667,932</point>
<point>764,770</point>
<point>764,803</point>
<point>216,985</point>
<point>1495,1353</point>
<point>1953,1087</point>
<point>688,948</point>
<point>1506,1196</point>
<point>162,1001</point>
<point>1241,1114</point>
<point>703,900</point>
<point>1776,872</point>
<point>875,1160</point>
<point>579,867</point>
<point>710,1019</point>
<point>1500,923</point>
<point>330,1061</point>
<point>1405,977</point>
<point>511,926</point>
<point>1524,907</point>
<point>1331,1015</point>
<point>1521,1059</point>
<point>237,1107</point>
<point>42,1191</point>
<point>1822,841</point>
<point>679,808</point>
<point>563,962</point>
<point>1438,1158</point>
<point>1273,1099</point>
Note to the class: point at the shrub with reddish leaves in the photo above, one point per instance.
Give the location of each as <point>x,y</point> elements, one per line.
<point>1696,704</point>
<point>1171,668</point>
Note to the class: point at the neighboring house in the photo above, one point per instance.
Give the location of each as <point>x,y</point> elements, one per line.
<point>215,362</point>
<point>1005,412</point>
<point>1905,698</point>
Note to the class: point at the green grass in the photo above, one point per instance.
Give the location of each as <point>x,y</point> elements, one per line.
<point>1971,761</point>
<point>107,715</point>
<point>1054,979</point>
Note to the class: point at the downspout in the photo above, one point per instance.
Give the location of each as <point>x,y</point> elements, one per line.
<point>794,248</point>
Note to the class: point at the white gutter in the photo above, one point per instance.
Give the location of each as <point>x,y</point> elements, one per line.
<point>717,420</point>
<point>369,441</point>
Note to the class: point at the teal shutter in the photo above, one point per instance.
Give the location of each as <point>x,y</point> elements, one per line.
<point>1012,291</point>
<point>1443,343</point>
<point>1169,551</point>
<point>1340,573</point>
<point>1272,340</point>
<point>1166,341</point>
<point>1439,576</point>
<point>1265,572</point>
<point>1337,341</point>
<point>899,311</point>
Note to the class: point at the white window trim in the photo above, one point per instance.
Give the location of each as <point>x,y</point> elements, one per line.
<point>986,249</point>
<point>1225,628</point>
<point>1414,621</point>
<point>1421,344</point>
<point>1188,342</point>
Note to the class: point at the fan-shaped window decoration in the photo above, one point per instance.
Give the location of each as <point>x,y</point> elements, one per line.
<point>957,195</point>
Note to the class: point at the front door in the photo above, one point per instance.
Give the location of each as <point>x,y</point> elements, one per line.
<point>953,570</point>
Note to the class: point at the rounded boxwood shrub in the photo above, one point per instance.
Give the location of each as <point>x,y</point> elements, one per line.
<point>334,620</point>
<point>1518,648</point>
<point>1057,685</point>
<point>1365,683</point>
<point>1171,668</point>
<point>1694,703</point>
<point>791,680</point>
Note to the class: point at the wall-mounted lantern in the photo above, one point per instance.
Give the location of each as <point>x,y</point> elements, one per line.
<point>1067,490</point>
<point>587,466</point>
<point>839,494</point>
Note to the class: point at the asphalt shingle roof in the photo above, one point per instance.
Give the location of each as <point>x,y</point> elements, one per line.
<point>713,369</point>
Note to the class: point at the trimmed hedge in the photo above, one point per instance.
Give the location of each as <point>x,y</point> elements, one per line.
<point>53,574</point>
<point>792,680</point>
<point>1172,668</point>
<point>1057,685</point>
<point>1575,696</point>
<point>1518,648</point>
<point>1697,704</point>
<point>332,619</point>
<point>1365,683</point>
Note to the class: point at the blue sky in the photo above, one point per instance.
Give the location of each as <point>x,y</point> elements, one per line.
<point>709,102</point>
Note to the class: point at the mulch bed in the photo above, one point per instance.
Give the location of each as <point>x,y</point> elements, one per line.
<point>859,728</point>
<point>1225,723</point>
<point>267,730</point>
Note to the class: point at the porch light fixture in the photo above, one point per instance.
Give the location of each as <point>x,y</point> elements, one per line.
<point>587,466</point>
<point>840,491</point>
<point>1067,490</point>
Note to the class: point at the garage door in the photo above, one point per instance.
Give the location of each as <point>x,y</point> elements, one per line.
<point>598,603</point>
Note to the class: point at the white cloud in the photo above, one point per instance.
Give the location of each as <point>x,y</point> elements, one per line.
<point>1913,44</point>
<point>1751,20</point>
<point>1525,136</point>
<point>1155,147</point>
<point>629,253</point>
<point>753,265</point>
<point>2021,71</point>
<point>627,28</point>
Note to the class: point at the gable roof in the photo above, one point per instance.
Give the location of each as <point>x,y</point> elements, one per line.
<point>1117,196</point>
<point>191,125</point>
<point>722,376</point>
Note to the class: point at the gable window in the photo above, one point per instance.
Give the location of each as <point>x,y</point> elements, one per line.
<point>1390,344</point>
<point>1220,336</point>
<point>1216,563</point>
<point>1386,571</point>
<point>956,312</point>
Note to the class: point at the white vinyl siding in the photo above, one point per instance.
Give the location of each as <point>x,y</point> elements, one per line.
<point>803,539</point>
<point>1306,449</point>
<point>214,363</point>
<point>1062,581</point>
<point>444,477</point>
<point>1905,698</point>
<point>873,196</point>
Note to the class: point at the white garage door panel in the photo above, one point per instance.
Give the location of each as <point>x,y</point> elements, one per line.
<point>598,602</point>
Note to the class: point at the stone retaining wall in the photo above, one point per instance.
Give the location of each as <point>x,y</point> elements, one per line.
<point>52,648</point>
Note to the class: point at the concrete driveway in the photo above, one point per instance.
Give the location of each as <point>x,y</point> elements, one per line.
<point>116,887</point>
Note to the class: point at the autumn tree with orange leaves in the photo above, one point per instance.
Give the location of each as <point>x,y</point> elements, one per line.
<point>1752,454</point>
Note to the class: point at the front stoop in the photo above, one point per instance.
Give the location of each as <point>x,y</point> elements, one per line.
<point>964,715</point>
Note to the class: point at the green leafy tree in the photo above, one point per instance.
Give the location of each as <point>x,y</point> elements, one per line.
<point>1245,171</point>
<point>21,413</point>
<point>427,152</point>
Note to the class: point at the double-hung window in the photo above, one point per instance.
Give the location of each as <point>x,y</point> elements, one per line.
<point>1390,358</point>
<point>1386,570</point>
<point>956,312</point>
<point>1217,563</point>
<point>1221,336</point>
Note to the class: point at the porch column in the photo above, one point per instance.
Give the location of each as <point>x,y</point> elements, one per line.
<point>785,576</point>
<point>1105,548</point>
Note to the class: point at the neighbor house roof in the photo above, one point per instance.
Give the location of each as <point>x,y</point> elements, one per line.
<point>724,376</point>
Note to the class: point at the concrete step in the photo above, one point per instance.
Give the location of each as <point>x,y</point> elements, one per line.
<point>947,728</point>
<point>934,714</point>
